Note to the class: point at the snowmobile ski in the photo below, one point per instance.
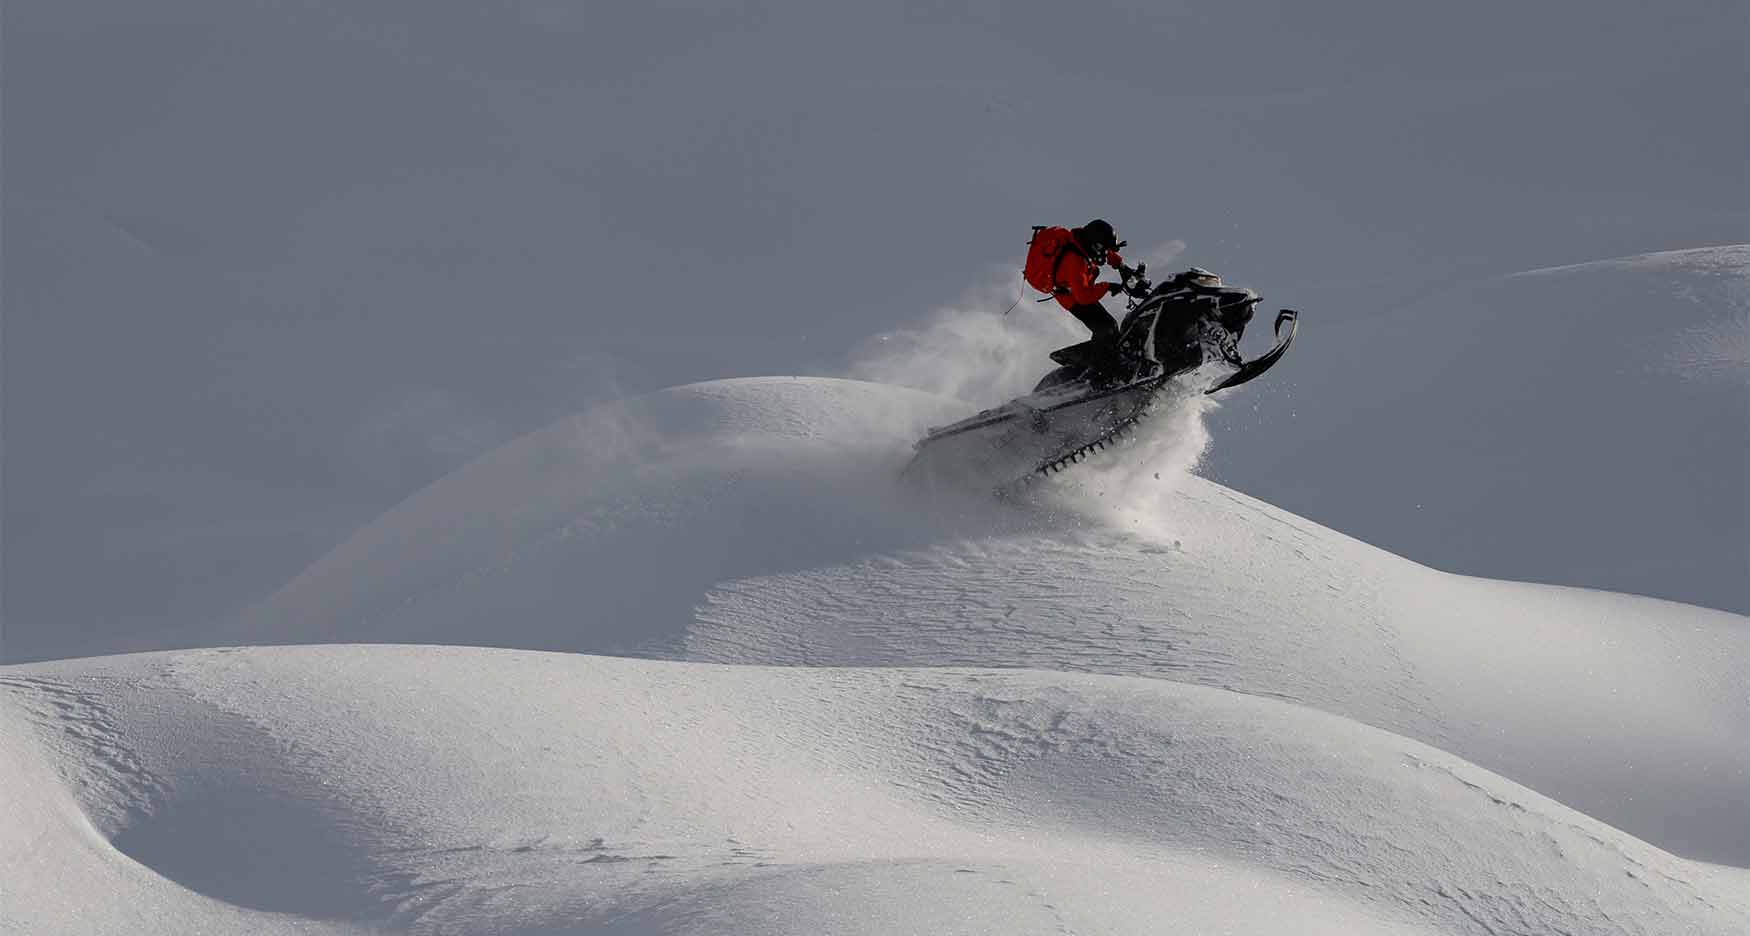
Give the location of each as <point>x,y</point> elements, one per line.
<point>1264,362</point>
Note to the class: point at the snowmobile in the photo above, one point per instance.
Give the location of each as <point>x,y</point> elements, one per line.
<point>1183,333</point>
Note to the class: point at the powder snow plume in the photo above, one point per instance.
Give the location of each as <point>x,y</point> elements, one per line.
<point>972,350</point>
<point>1131,485</point>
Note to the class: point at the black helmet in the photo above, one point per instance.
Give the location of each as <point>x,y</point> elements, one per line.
<point>1098,233</point>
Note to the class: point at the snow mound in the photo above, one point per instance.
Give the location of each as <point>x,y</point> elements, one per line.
<point>58,872</point>
<point>430,789</point>
<point>601,532</point>
<point>1137,697</point>
<point>759,521</point>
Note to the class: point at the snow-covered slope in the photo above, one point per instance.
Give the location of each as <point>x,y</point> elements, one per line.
<point>58,872</point>
<point>759,521</point>
<point>1137,702</point>
<point>455,790</point>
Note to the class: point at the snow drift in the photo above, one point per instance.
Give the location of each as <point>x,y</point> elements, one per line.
<point>759,521</point>
<point>430,789</point>
<point>1140,697</point>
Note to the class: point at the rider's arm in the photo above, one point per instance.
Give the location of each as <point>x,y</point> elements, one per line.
<point>1080,285</point>
<point>1117,263</point>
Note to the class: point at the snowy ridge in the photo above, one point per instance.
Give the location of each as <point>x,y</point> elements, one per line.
<point>1582,425</point>
<point>1715,279</point>
<point>1730,260</point>
<point>1140,702</point>
<point>705,530</point>
<point>692,793</point>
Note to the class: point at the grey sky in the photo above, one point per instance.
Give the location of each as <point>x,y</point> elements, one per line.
<point>270,268</point>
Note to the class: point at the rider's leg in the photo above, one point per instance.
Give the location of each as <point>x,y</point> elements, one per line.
<point>1098,320</point>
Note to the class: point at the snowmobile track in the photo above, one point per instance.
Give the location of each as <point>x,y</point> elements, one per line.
<point>1062,462</point>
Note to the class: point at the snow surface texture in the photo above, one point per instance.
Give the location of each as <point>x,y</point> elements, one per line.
<point>1139,702</point>
<point>454,790</point>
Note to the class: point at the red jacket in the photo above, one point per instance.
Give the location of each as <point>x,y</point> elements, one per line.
<point>1074,277</point>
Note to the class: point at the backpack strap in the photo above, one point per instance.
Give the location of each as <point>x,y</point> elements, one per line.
<point>1069,246</point>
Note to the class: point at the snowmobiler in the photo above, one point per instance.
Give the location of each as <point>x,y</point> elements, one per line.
<point>1184,332</point>
<point>1064,263</point>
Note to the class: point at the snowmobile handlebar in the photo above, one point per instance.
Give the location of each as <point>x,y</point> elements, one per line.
<point>1135,281</point>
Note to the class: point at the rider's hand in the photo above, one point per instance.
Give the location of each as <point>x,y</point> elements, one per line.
<point>1113,289</point>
